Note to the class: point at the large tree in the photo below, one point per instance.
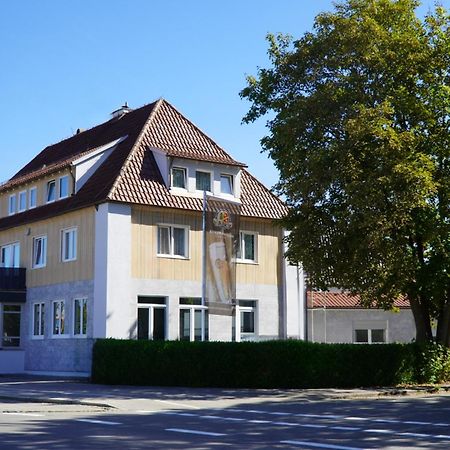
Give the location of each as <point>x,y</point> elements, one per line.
<point>359,117</point>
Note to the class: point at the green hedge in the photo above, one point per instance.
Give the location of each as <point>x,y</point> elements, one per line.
<point>272,364</point>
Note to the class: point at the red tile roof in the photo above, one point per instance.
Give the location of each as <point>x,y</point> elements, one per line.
<point>130,173</point>
<point>342,300</point>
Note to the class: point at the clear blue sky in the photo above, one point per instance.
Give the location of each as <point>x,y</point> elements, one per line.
<point>68,64</point>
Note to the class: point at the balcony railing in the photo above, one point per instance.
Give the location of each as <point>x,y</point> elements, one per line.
<point>12,279</point>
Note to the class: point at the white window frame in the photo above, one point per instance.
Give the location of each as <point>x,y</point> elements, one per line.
<point>204,319</point>
<point>211,180</point>
<point>30,205</point>
<point>41,324</point>
<point>82,301</point>
<point>2,315</point>
<point>150,307</point>
<point>241,249</point>
<point>44,251</point>
<point>242,336</point>
<point>231,178</point>
<point>15,248</point>
<point>47,191</point>
<point>22,195</point>
<point>171,241</point>
<point>65,233</point>
<point>62,319</point>
<point>185,178</point>
<point>12,204</point>
<point>369,335</point>
<point>65,177</point>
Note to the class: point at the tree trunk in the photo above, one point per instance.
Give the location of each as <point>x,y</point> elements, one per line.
<point>443,328</point>
<point>422,321</point>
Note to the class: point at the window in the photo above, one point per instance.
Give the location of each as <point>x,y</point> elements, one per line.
<point>151,322</point>
<point>80,317</point>
<point>59,314</point>
<point>69,245</point>
<point>51,191</point>
<point>172,240</point>
<point>370,336</point>
<point>12,204</point>
<point>64,187</point>
<point>179,177</point>
<point>226,184</point>
<point>246,320</point>
<point>32,200</point>
<point>39,252</point>
<point>38,319</point>
<point>202,181</point>
<point>22,201</point>
<point>10,255</point>
<point>247,246</point>
<point>10,326</point>
<point>193,320</point>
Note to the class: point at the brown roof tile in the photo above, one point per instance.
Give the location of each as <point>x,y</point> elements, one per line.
<point>343,300</point>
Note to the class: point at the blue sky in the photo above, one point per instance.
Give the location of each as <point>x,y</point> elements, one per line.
<point>68,64</point>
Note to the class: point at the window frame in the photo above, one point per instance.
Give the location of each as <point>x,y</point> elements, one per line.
<point>12,204</point>
<point>243,306</point>
<point>66,232</point>
<point>30,205</point>
<point>83,324</point>
<point>185,179</point>
<point>66,178</point>
<point>22,195</point>
<point>150,307</point>
<point>63,319</point>
<point>241,247</point>
<point>231,179</point>
<point>2,326</point>
<point>204,318</point>
<point>47,191</point>
<point>33,254</point>
<point>369,335</point>
<point>210,174</point>
<point>41,326</point>
<point>171,254</point>
<point>13,245</point>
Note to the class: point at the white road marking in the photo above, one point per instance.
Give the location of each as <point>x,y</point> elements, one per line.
<point>343,428</point>
<point>319,445</point>
<point>23,414</point>
<point>184,405</point>
<point>258,421</point>
<point>413,422</point>
<point>380,431</point>
<point>100,422</point>
<point>204,433</point>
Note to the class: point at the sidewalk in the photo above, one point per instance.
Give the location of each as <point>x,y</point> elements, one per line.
<point>66,391</point>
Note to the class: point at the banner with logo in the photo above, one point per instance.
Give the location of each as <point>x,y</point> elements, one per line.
<point>222,234</point>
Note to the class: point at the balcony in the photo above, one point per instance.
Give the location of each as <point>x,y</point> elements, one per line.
<point>12,284</point>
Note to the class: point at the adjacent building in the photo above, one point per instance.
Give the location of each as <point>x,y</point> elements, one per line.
<point>101,236</point>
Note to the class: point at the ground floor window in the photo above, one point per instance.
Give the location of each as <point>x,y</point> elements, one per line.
<point>38,319</point>
<point>193,320</point>
<point>370,336</point>
<point>151,323</point>
<point>245,320</point>
<point>80,317</point>
<point>59,318</point>
<point>10,325</point>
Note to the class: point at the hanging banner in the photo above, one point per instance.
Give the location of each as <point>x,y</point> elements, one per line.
<point>222,234</point>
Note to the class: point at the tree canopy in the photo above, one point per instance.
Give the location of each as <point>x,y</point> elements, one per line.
<point>359,131</point>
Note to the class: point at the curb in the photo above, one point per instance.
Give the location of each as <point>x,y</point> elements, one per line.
<point>56,401</point>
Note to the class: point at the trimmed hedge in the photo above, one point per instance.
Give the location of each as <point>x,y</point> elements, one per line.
<point>271,364</point>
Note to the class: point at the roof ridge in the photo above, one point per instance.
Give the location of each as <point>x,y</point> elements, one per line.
<point>136,145</point>
<point>200,130</point>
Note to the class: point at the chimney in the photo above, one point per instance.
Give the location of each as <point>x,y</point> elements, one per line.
<point>118,113</point>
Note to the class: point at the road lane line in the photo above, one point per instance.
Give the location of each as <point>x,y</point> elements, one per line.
<point>23,414</point>
<point>204,433</point>
<point>177,404</point>
<point>99,422</point>
<point>320,445</point>
<point>343,428</point>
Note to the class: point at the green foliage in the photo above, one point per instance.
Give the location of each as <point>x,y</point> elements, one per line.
<point>360,133</point>
<point>273,364</point>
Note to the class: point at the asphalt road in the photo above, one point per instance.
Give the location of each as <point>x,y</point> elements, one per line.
<point>401,423</point>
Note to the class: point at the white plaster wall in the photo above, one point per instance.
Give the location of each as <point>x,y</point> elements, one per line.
<point>12,361</point>
<point>220,328</point>
<point>337,325</point>
<point>295,302</point>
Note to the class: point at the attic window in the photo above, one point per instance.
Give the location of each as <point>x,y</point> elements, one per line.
<point>202,181</point>
<point>179,177</point>
<point>51,191</point>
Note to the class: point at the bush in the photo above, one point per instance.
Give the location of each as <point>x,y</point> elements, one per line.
<point>271,364</point>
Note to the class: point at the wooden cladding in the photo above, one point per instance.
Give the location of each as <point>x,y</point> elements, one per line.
<point>147,264</point>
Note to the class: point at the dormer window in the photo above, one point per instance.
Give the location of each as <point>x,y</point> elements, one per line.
<point>51,191</point>
<point>22,201</point>
<point>226,184</point>
<point>202,181</point>
<point>33,198</point>
<point>179,177</point>
<point>64,187</point>
<point>12,204</point>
